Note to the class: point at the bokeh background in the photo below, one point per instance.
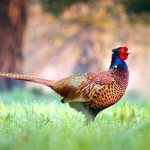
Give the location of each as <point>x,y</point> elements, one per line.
<point>54,39</point>
<point>65,37</point>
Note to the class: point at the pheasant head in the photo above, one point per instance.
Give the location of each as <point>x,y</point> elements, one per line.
<point>119,56</point>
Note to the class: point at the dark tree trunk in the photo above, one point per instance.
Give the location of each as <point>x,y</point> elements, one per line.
<point>13,15</point>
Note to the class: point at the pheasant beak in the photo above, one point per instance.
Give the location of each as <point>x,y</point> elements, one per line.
<point>129,52</point>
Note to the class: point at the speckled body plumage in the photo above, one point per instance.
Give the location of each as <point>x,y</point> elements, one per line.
<point>90,92</point>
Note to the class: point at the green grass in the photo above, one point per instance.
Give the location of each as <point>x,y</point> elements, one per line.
<point>30,121</point>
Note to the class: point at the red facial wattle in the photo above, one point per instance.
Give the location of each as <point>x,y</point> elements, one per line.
<point>123,53</point>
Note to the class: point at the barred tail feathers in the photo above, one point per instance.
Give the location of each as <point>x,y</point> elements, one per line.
<point>27,78</point>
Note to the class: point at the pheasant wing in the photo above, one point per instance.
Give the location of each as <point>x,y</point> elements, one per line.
<point>93,82</point>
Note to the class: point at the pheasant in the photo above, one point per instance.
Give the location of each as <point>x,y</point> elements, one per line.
<point>89,93</point>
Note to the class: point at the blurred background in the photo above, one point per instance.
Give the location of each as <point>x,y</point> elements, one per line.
<point>55,39</point>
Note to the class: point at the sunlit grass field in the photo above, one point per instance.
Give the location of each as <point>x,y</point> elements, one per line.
<point>30,120</point>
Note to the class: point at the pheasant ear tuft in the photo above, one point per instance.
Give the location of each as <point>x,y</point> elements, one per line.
<point>123,48</point>
<point>114,49</point>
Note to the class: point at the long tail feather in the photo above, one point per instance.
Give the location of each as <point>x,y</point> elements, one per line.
<point>26,78</point>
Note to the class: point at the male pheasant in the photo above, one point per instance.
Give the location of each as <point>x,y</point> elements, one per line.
<point>89,93</point>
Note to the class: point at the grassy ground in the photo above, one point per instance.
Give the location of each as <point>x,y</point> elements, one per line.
<point>40,122</point>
